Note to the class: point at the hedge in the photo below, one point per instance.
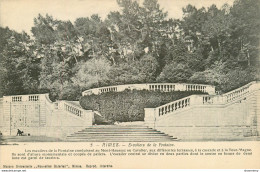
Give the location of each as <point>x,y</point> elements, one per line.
<point>129,105</point>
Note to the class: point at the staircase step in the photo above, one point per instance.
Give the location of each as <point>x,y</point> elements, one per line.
<point>114,136</point>
<point>117,126</point>
<point>114,131</point>
<point>119,137</point>
<point>117,133</point>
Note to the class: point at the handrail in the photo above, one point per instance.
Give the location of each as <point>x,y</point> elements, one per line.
<point>234,94</point>
<point>25,98</point>
<point>174,106</point>
<point>86,116</point>
<point>73,109</point>
<point>47,98</point>
<point>206,99</point>
<point>244,86</point>
<point>49,103</point>
<point>165,87</point>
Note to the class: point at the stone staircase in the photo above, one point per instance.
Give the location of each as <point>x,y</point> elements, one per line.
<point>117,133</point>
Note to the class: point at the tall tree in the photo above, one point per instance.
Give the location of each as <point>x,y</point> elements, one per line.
<point>19,67</point>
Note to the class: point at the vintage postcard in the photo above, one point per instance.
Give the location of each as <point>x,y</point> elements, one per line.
<point>129,84</point>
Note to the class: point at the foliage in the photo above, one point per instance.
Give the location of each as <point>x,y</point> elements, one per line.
<point>141,71</point>
<point>135,44</point>
<point>129,105</point>
<point>19,70</point>
<point>92,73</point>
<point>175,72</point>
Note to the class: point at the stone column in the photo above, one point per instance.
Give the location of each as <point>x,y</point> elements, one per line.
<point>7,115</point>
<point>196,100</point>
<point>88,116</point>
<point>150,117</point>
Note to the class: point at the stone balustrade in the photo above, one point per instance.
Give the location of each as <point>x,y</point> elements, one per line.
<point>174,106</point>
<point>32,112</point>
<point>237,93</point>
<point>233,115</point>
<point>16,98</point>
<point>73,109</point>
<point>164,87</point>
<point>201,100</point>
<point>25,98</point>
<point>33,97</point>
<point>68,107</point>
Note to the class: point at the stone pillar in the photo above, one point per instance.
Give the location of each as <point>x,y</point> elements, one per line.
<point>7,115</point>
<point>178,87</point>
<point>88,117</point>
<point>254,86</point>
<point>218,99</point>
<point>25,98</point>
<point>196,100</point>
<point>61,105</point>
<point>210,90</point>
<point>150,117</point>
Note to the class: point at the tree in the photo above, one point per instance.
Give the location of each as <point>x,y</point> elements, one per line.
<point>137,71</point>
<point>136,44</point>
<point>96,38</point>
<point>44,29</point>
<point>217,30</point>
<point>138,28</point>
<point>246,29</point>
<point>92,73</point>
<point>58,54</point>
<point>175,72</point>
<point>192,24</point>
<point>19,67</point>
<point>225,79</point>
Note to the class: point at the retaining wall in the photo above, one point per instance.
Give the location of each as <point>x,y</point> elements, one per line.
<point>37,115</point>
<point>231,116</point>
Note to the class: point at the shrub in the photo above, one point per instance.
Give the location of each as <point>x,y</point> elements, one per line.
<point>129,105</point>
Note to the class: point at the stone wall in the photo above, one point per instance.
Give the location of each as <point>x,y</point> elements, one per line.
<point>231,116</point>
<point>37,115</point>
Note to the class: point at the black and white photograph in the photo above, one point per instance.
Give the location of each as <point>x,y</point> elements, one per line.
<point>129,71</point>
